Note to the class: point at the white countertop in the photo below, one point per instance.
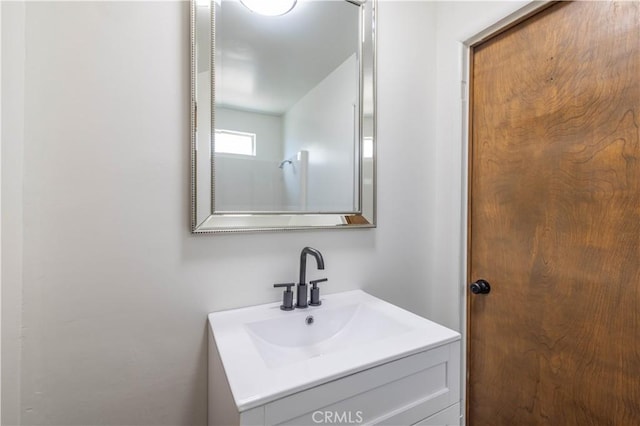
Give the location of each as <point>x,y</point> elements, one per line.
<point>254,381</point>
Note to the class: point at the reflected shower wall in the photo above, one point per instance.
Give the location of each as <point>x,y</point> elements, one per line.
<point>324,123</point>
<point>295,174</point>
<point>245,183</point>
<point>249,184</point>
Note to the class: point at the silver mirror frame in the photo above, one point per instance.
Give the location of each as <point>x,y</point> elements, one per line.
<point>205,219</point>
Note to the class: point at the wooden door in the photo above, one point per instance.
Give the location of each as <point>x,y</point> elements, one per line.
<point>554,220</point>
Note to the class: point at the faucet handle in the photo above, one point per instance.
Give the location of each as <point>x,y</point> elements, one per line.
<point>315,292</point>
<point>287,296</point>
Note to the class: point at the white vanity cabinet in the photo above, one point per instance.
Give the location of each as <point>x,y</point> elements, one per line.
<point>422,389</point>
<point>406,371</point>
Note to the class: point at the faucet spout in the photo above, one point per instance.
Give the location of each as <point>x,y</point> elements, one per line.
<point>302,284</point>
<point>303,262</point>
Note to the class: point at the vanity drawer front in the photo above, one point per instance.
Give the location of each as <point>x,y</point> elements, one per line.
<point>410,389</point>
<point>447,417</point>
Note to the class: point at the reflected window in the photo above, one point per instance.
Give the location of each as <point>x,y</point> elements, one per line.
<point>233,142</point>
<point>367,147</point>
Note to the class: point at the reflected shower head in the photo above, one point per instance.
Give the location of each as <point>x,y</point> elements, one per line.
<point>283,162</point>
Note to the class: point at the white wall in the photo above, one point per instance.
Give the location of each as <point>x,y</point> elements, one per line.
<point>0,226</point>
<point>13,57</point>
<point>319,123</point>
<point>110,327</point>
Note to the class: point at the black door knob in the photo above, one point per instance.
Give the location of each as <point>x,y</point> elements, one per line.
<point>480,287</point>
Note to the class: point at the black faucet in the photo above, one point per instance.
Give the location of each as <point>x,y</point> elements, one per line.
<point>302,284</point>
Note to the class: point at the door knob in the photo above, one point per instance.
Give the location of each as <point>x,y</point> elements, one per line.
<point>480,287</point>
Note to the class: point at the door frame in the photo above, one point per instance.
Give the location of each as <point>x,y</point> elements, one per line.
<point>465,53</point>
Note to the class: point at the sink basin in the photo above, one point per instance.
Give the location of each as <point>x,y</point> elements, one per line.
<point>304,335</point>
<point>268,353</point>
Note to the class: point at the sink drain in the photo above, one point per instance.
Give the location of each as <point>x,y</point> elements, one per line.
<point>309,320</point>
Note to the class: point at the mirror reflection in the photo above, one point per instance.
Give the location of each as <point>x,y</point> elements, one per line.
<point>283,114</point>
<point>286,110</point>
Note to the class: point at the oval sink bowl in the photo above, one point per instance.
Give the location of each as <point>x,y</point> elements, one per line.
<point>268,353</point>
<point>303,335</point>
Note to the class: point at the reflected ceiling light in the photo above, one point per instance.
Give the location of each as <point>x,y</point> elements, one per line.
<point>269,7</point>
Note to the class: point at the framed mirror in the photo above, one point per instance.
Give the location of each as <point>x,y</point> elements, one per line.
<point>283,115</point>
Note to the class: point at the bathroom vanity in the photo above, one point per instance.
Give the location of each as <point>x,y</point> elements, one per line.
<point>355,359</point>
